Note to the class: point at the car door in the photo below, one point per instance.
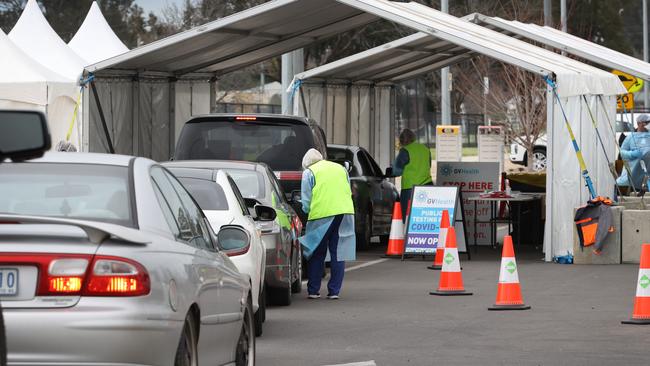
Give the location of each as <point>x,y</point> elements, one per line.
<point>285,218</point>
<point>375,189</point>
<point>220,308</point>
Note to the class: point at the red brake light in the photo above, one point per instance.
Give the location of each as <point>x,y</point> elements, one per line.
<point>71,274</point>
<point>290,175</point>
<point>245,118</point>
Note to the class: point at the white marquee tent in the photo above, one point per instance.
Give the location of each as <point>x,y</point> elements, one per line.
<point>36,38</point>
<point>26,84</point>
<point>449,41</point>
<point>95,41</point>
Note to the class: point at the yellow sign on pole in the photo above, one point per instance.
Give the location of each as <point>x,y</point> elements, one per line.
<point>625,99</point>
<point>630,82</point>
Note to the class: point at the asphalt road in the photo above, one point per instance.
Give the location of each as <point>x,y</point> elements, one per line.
<point>386,317</point>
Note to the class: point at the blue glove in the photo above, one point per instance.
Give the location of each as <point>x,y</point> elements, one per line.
<point>637,154</point>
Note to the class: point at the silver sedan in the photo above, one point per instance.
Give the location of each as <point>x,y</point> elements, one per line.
<point>106,259</point>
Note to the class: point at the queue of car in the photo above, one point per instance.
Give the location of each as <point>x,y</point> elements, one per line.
<point>179,257</point>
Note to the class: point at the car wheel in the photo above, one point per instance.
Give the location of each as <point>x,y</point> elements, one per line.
<point>245,352</point>
<point>383,239</point>
<point>187,351</point>
<point>539,160</point>
<point>296,286</point>
<point>363,236</point>
<point>260,315</point>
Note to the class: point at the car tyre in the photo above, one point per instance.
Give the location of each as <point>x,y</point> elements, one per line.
<point>260,315</point>
<point>245,351</point>
<point>363,237</point>
<point>187,352</point>
<point>296,285</point>
<point>539,159</point>
<point>383,239</point>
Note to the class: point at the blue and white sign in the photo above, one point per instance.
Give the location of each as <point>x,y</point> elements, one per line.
<point>423,224</point>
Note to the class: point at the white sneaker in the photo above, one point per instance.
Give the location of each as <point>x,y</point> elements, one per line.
<point>333,297</point>
<point>313,296</point>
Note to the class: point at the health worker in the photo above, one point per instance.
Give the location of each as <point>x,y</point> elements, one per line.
<point>413,164</point>
<point>636,149</point>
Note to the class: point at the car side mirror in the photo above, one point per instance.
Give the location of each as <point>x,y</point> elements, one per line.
<point>251,202</point>
<point>296,196</point>
<point>23,135</point>
<point>389,172</point>
<point>233,239</point>
<point>348,166</point>
<point>265,213</point>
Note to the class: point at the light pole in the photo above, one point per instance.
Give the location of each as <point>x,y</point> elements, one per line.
<point>645,52</point>
<point>445,105</point>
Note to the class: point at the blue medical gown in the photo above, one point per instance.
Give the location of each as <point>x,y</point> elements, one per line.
<point>316,229</point>
<point>635,148</point>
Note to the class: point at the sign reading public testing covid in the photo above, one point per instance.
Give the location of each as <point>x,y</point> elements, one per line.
<point>472,179</point>
<point>423,225</point>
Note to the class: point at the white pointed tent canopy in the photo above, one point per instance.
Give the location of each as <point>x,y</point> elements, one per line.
<point>27,84</point>
<point>95,41</point>
<point>36,38</point>
<point>447,40</point>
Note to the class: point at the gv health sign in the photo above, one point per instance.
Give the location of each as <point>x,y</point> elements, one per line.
<point>423,226</point>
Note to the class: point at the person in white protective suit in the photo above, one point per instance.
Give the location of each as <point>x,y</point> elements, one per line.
<point>636,149</point>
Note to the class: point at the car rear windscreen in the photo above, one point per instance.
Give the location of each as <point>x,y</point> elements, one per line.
<point>249,182</point>
<point>76,191</point>
<point>208,194</point>
<point>281,146</point>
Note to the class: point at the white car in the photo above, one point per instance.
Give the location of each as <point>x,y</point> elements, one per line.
<point>518,154</point>
<point>223,205</point>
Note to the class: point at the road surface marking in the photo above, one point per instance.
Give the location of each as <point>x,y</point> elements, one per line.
<point>354,268</point>
<point>364,363</point>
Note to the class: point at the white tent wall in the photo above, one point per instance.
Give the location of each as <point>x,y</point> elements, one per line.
<point>566,187</point>
<point>144,117</point>
<point>354,114</point>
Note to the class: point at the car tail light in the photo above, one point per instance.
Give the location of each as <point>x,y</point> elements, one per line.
<point>290,175</point>
<point>245,118</point>
<point>117,277</point>
<point>87,275</point>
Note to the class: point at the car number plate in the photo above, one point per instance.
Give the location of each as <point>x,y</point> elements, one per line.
<point>8,281</point>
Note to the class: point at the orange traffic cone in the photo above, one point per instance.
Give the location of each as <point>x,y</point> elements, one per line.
<point>508,289</point>
<point>641,313</point>
<point>396,236</point>
<point>442,237</point>
<point>451,279</point>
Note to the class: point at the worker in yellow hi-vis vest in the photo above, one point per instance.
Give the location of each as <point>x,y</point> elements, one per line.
<point>413,163</point>
<point>327,199</point>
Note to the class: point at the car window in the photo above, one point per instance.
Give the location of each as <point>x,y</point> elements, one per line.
<point>79,191</point>
<point>169,198</point>
<point>373,163</point>
<point>340,156</point>
<point>167,211</point>
<point>208,194</point>
<point>366,167</point>
<point>623,126</point>
<point>279,145</point>
<point>275,188</point>
<point>319,140</point>
<point>250,183</point>
<point>240,198</point>
<point>200,233</point>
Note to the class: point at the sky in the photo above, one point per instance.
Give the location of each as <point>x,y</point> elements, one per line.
<point>156,5</point>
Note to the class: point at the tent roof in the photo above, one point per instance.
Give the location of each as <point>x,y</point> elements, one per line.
<point>34,35</point>
<point>95,40</point>
<point>242,39</point>
<point>573,77</point>
<point>25,80</point>
<point>399,60</point>
<point>566,42</point>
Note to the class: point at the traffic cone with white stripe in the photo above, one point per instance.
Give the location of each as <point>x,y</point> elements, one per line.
<point>396,236</point>
<point>641,313</point>
<point>508,289</point>
<point>451,279</point>
<point>442,237</point>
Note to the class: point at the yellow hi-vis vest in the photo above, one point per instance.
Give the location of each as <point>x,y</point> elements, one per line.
<point>331,194</point>
<point>418,170</point>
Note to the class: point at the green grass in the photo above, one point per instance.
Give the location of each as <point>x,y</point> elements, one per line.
<point>467,151</point>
